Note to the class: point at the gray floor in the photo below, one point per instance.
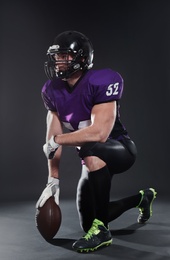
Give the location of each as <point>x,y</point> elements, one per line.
<point>20,239</point>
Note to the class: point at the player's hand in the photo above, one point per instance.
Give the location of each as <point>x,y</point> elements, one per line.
<point>52,189</point>
<point>50,148</point>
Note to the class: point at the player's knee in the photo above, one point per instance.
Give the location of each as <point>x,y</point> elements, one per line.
<point>94,163</point>
<point>90,154</point>
<point>87,150</point>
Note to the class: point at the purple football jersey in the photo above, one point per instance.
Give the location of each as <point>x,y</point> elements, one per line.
<point>74,105</point>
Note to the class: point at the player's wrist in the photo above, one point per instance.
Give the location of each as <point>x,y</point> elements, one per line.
<point>53,143</point>
<point>53,180</point>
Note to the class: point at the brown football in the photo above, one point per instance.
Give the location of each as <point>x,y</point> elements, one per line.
<point>48,219</point>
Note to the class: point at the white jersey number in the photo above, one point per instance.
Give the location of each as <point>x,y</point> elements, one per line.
<point>112,89</point>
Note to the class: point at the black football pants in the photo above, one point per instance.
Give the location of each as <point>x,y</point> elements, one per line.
<point>93,190</point>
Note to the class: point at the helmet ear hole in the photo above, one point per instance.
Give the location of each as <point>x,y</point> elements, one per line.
<point>75,43</point>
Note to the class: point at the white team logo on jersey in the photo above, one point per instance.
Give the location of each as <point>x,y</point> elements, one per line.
<point>82,124</point>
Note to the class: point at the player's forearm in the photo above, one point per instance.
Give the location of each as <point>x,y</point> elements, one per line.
<point>53,165</point>
<point>79,137</point>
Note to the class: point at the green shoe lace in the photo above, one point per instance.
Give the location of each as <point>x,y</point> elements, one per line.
<point>94,229</point>
<point>97,236</point>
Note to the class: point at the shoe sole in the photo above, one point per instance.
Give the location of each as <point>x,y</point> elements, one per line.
<point>154,197</point>
<point>150,207</point>
<point>86,250</point>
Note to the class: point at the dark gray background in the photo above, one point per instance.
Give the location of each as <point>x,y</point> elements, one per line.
<point>132,37</point>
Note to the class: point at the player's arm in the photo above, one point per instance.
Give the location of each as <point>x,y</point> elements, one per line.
<point>52,188</point>
<point>54,127</point>
<point>102,121</point>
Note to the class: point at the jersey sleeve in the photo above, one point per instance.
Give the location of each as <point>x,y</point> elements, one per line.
<point>46,95</point>
<point>107,86</point>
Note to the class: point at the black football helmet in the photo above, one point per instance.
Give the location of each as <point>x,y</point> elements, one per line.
<point>74,43</point>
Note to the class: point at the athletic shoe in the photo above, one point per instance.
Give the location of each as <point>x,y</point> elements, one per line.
<point>145,205</point>
<point>97,236</point>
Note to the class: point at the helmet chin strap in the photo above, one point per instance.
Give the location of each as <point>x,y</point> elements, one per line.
<point>66,74</point>
<point>76,66</point>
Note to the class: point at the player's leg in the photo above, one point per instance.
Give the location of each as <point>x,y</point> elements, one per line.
<point>93,195</point>
<point>120,156</point>
<point>84,201</point>
<point>143,200</point>
<point>100,182</point>
<point>114,154</point>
